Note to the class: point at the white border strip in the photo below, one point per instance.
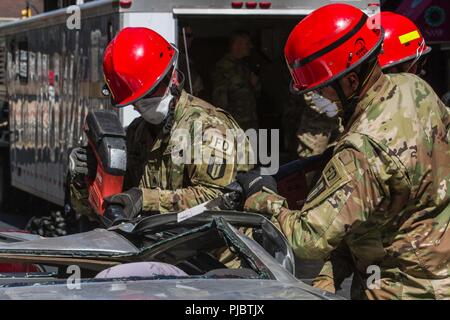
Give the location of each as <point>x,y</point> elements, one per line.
<point>241,12</point>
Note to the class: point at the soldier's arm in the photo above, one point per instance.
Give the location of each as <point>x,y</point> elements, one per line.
<point>344,197</point>
<point>220,79</point>
<point>337,267</point>
<point>164,201</point>
<point>79,199</point>
<point>206,183</point>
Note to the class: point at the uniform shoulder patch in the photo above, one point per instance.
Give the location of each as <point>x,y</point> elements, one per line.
<point>216,168</point>
<point>219,141</point>
<point>333,177</point>
<point>221,144</point>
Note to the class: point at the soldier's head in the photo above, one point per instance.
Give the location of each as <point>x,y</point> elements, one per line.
<point>240,44</point>
<point>404,48</point>
<point>139,70</point>
<point>333,51</point>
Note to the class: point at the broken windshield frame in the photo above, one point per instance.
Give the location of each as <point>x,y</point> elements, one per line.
<point>99,249</point>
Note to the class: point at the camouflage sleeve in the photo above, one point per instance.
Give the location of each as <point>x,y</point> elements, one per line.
<point>316,131</point>
<point>337,267</point>
<point>164,201</point>
<point>214,164</point>
<point>220,81</point>
<point>79,199</point>
<point>345,195</point>
<point>325,279</point>
<point>311,144</point>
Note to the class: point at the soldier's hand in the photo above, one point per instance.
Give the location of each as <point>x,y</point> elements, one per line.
<point>232,199</point>
<point>82,163</point>
<point>130,201</point>
<point>253,182</point>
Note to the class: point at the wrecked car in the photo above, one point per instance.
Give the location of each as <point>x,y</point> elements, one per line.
<point>158,257</point>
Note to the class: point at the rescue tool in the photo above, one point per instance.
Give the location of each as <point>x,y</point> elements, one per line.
<point>106,137</point>
<point>291,184</point>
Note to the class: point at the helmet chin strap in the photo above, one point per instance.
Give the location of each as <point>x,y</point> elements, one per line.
<point>175,90</point>
<point>419,52</point>
<point>349,103</point>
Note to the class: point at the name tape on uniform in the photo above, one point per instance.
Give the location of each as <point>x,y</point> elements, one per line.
<point>221,144</point>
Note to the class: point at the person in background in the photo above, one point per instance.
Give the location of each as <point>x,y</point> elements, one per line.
<point>235,86</point>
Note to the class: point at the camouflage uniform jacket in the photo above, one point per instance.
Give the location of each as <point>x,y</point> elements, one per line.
<point>316,132</point>
<point>385,194</point>
<point>160,166</point>
<point>233,91</point>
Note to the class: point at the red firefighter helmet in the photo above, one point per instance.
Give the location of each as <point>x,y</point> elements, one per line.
<point>402,40</point>
<point>328,43</point>
<point>135,62</point>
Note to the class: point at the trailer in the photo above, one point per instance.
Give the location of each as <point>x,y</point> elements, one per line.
<point>51,71</point>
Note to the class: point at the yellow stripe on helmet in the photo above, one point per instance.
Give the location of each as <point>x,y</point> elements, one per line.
<point>407,37</point>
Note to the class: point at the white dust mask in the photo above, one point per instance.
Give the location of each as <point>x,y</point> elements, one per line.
<point>323,105</point>
<point>155,109</point>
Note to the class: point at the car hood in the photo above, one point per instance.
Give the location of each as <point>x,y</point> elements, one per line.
<point>148,289</point>
<point>270,258</point>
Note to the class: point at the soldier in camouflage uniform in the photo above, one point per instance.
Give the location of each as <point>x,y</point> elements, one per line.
<point>172,187</point>
<point>163,174</point>
<point>404,50</point>
<point>235,86</point>
<point>385,193</point>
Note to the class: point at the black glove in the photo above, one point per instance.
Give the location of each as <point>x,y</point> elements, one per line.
<point>232,199</point>
<point>82,163</point>
<point>54,225</point>
<point>253,182</point>
<point>130,200</point>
